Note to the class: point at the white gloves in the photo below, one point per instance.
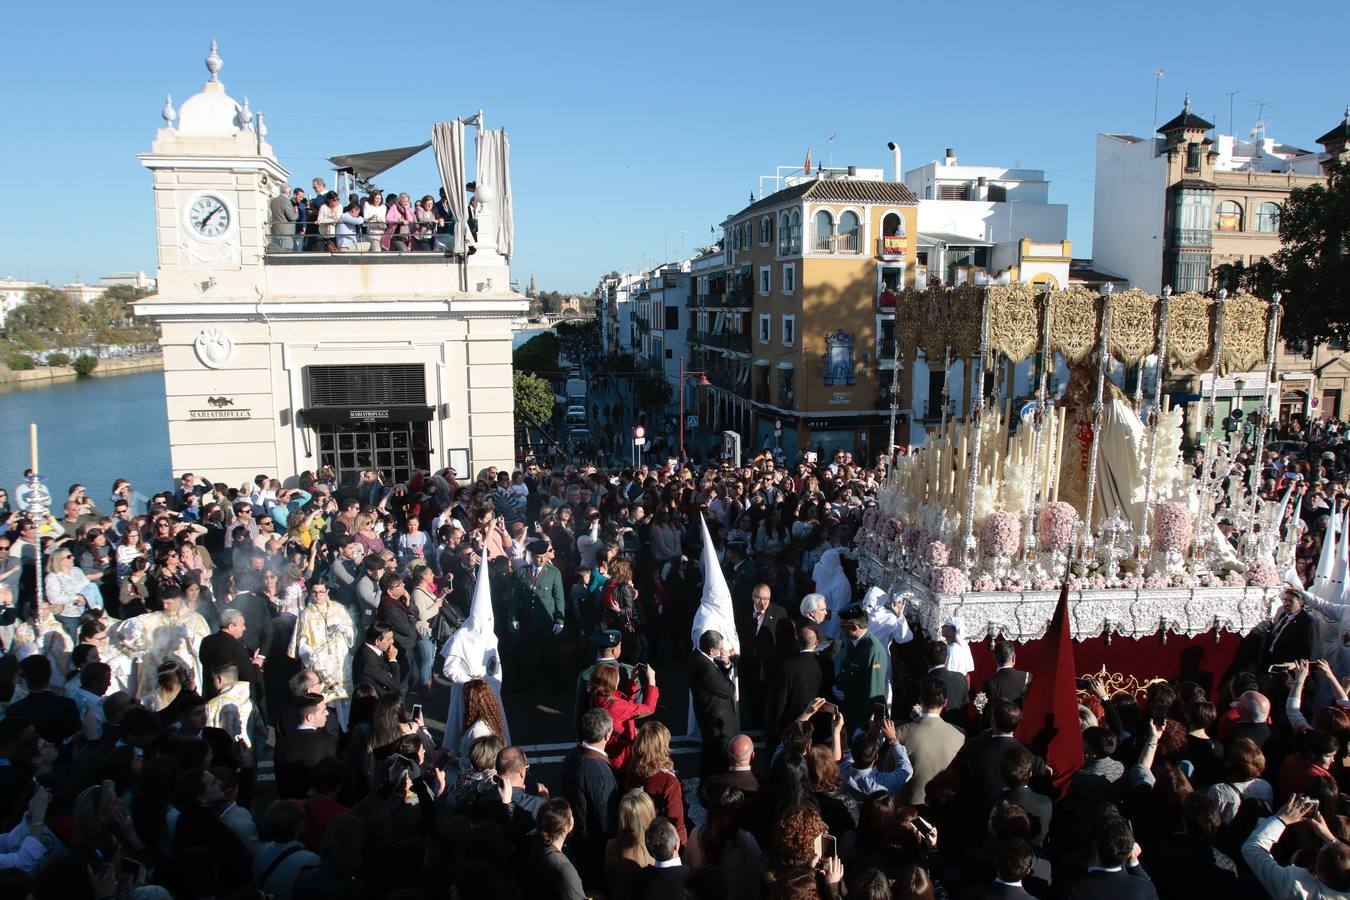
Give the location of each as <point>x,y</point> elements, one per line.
<point>557,628</point>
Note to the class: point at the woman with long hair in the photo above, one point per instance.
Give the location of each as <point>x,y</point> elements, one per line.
<point>720,841</point>
<point>619,609</point>
<point>653,770</point>
<point>603,693</point>
<point>132,546</point>
<point>482,716</point>
<point>551,872</point>
<point>626,853</point>
<point>169,682</point>
<point>838,807</point>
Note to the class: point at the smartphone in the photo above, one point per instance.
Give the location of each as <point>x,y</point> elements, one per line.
<point>1313,801</point>
<point>417,711</point>
<point>1159,715</point>
<point>828,848</point>
<point>923,826</point>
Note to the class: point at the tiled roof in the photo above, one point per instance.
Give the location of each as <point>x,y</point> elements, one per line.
<point>837,190</point>
<point>1340,133</point>
<point>1187,120</point>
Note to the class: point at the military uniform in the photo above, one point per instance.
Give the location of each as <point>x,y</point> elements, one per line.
<point>536,606</point>
<point>862,680</point>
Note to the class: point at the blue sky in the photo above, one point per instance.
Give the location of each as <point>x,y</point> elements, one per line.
<point>633,127</point>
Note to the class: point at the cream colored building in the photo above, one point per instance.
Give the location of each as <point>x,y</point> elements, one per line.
<point>281,361</point>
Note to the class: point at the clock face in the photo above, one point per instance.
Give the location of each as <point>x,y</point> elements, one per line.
<point>209,216</point>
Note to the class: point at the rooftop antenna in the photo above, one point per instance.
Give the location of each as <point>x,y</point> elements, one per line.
<point>1158,75</point>
<point>1230,95</point>
<point>829,142</point>
<point>1259,129</point>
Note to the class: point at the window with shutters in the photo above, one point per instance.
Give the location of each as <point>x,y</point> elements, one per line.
<point>362,385</point>
<point>953,192</point>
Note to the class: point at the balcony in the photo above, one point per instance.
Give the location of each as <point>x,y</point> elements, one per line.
<point>643,324</point>
<point>891,246</point>
<point>787,397</point>
<point>835,243</point>
<point>725,340</point>
<point>1191,237</point>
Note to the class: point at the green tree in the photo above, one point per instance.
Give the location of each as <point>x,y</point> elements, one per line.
<point>534,398</point>
<point>85,365</point>
<point>1258,278</point>
<point>112,319</point>
<point>46,320</point>
<point>539,354</point>
<point>653,392</point>
<point>1313,264</point>
<point>58,359</point>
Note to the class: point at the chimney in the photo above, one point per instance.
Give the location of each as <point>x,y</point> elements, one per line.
<point>852,171</point>
<point>981,188</point>
<point>895,157</point>
<point>951,157</point>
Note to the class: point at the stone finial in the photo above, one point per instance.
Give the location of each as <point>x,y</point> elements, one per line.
<point>245,116</point>
<point>167,113</point>
<point>1186,107</point>
<point>214,63</point>
<point>1347,114</point>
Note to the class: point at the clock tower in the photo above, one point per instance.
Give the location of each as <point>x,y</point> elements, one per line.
<point>214,176</point>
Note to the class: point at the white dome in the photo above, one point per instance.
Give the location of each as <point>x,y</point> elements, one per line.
<point>212,113</point>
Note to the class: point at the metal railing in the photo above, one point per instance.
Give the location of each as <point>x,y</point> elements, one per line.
<point>377,237</point>
<point>724,340</point>
<point>1191,237</point>
<point>835,243</point>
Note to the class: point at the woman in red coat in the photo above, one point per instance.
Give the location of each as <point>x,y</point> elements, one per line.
<point>654,771</point>
<point>604,693</point>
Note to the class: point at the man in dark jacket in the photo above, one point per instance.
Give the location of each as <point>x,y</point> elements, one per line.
<point>55,717</point>
<point>1293,636</point>
<point>664,879</point>
<point>588,784</point>
<point>376,661</point>
<point>793,683</point>
<point>1008,683</point>
<point>396,612</point>
<point>300,751</point>
<point>539,610</point>
<point>252,604</point>
<point>1115,873</point>
<point>224,648</point>
<point>714,700</point>
<point>958,693</point>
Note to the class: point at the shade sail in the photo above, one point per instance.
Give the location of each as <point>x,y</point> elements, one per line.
<point>368,165</point>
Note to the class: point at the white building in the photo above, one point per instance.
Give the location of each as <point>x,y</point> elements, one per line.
<point>989,224</point>
<point>280,359</point>
<point>13,290</point>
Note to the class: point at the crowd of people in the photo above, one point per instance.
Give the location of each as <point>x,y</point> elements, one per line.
<point>373,223</point>
<point>179,648</point>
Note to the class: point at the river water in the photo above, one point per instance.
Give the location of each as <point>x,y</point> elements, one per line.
<point>95,430</point>
<point>91,431</point>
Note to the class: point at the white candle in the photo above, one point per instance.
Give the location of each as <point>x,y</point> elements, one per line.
<point>32,441</point>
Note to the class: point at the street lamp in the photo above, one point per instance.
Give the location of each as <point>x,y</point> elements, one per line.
<point>702,382</point>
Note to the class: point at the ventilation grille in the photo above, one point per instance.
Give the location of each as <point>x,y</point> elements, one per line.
<point>341,386</point>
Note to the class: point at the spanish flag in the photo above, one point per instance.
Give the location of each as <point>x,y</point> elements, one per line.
<point>806,167</point>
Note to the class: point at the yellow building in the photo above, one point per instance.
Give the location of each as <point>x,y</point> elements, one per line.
<point>790,324</point>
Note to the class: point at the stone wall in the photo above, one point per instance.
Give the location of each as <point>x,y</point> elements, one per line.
<point>51,374</point>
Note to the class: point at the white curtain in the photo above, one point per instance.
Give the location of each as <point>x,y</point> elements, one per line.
<point>447,138</point>
<point>494,172</point>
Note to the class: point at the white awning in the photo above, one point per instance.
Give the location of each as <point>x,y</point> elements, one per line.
<point>761,362</point>
<point>1253,384</point>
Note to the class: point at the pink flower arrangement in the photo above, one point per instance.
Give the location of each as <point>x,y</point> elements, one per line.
<point>890,528</point>
<point>1134,581</point>
<point>1096,583</point>
<point>1057,523</point>
<point>1173,528</point>
<point>1235,579</point>
<point>1158,581</point>
<point>936,553</point>
<point>984,584</point>
<point>949,580</point>
<point>1045,583</point>
<point>1011,584</point>
<point>911,537</point>
<point>1001,534</point>
<point>1263,574</point>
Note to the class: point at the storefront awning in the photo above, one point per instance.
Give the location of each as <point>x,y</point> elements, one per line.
<point>1240,384</point>
<point>344,415</point>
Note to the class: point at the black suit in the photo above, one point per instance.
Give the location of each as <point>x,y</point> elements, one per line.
<point>1039,805</point>
<point>980,760</point>
<point>660,884</point>
<point>958,694</point>
<point>758,654</point>
<point>369,667</point>
<point>297,754</point>
<point>714,700</point>
<point>1291,639</point>
<point>257,615</point>
<point>224,649</point>
<point>795,682</point>
<point>996,891</point>
<point>1130,884</point>
<point>55,718</point>
<point>1006,684</point>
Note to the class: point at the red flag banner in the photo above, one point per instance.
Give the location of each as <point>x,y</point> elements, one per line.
<point>1050,712</point>
<point>807,166</point>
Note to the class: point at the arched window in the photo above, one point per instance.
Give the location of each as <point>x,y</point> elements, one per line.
<point>849,233</point>
<point>893,225</point>
<point>824,231</point>
<point>796,231</point>
<point>1043,282</point>
<point>784,234</point>
<point>1228,217</point>
<point>1268,218</point>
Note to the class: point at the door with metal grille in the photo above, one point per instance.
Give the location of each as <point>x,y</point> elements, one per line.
<point>392,448</point>
<point>371,417</point>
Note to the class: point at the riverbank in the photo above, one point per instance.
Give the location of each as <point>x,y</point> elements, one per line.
<point>45,375</point>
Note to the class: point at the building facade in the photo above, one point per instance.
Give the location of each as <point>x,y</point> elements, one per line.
<point>787,324</point>
<point>278,361</point>
<point>1174,209</point>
